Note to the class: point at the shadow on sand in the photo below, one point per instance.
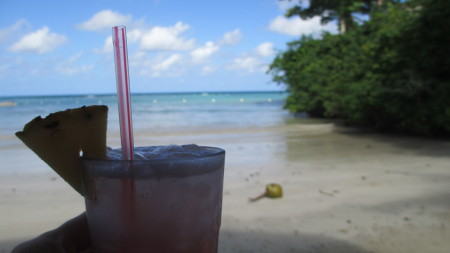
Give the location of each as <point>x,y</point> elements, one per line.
<point>7,246</point>
<point>239,241</point>
<point>419,145</point>
<point>416,205</point>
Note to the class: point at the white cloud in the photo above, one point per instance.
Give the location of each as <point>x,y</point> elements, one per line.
<point>284,5</point>
<point>104,19</point>
<point>161,64</point>
<point>248,63</point>
<point>207,69</point>
<point>69,67</point>
<point>139,62</point>
<point>134,35</point>
<point>296,26</point>
<point>107,47</point>
<point>167,63</point>
<point>74,70</point>
<point>256,61</point>
<point>7,33</point>
<point>200,54</point>
<point>137,58</point>
<point>231,38</point>
<point>265,49</point>
<point>41,41</point>
<point>74,58</point>
<point>166,38</point>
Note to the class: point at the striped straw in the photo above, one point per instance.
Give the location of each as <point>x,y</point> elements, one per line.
<point>119,38</point>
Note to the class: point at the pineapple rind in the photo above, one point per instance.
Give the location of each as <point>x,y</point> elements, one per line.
<point>59,138</point>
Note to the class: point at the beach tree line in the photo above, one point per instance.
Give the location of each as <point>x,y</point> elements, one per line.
<point>389,72</point>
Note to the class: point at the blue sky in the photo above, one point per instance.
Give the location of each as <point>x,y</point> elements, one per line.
<point>64,47</point>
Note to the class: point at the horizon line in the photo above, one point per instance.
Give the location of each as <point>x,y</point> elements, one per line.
<point>139,93</point>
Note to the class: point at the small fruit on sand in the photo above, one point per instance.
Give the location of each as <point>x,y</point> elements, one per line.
<point>59,138</point>
<point>272,191</point>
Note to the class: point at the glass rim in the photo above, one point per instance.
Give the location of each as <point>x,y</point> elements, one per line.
<point>217,152</point>
<point>156,168</point>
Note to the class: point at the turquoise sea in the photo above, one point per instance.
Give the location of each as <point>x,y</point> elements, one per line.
<point>159,113</point>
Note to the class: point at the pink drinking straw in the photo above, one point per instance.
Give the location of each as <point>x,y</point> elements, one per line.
<point>119,38</point>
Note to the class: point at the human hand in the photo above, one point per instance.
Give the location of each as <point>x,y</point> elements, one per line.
<point>71,237</point>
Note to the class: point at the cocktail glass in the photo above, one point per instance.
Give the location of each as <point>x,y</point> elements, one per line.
<point>163,205</point>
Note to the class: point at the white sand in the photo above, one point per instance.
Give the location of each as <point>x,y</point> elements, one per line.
<point>344,191</point>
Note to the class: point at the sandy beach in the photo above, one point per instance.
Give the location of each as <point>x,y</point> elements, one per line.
<point>344,191</point>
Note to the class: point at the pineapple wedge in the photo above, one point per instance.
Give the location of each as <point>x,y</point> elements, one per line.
<point>59,138</point>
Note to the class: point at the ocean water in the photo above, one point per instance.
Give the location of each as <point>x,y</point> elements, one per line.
<point>160,113</point>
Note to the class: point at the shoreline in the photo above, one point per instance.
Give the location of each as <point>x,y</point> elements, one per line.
<point>141,93</point>
<point>344,191</point>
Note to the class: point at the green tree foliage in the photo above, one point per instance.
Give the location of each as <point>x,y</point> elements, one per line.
<point>391,72</point>
<point>341,10</point>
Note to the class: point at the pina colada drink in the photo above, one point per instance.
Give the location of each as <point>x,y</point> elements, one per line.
<point>168,199</point>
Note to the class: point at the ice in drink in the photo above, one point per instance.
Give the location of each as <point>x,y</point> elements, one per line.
<point>169,203</point>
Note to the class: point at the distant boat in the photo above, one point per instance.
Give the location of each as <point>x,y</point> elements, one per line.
<point>8,103</point>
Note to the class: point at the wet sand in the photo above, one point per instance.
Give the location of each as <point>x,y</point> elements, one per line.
<point>344,191</point>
